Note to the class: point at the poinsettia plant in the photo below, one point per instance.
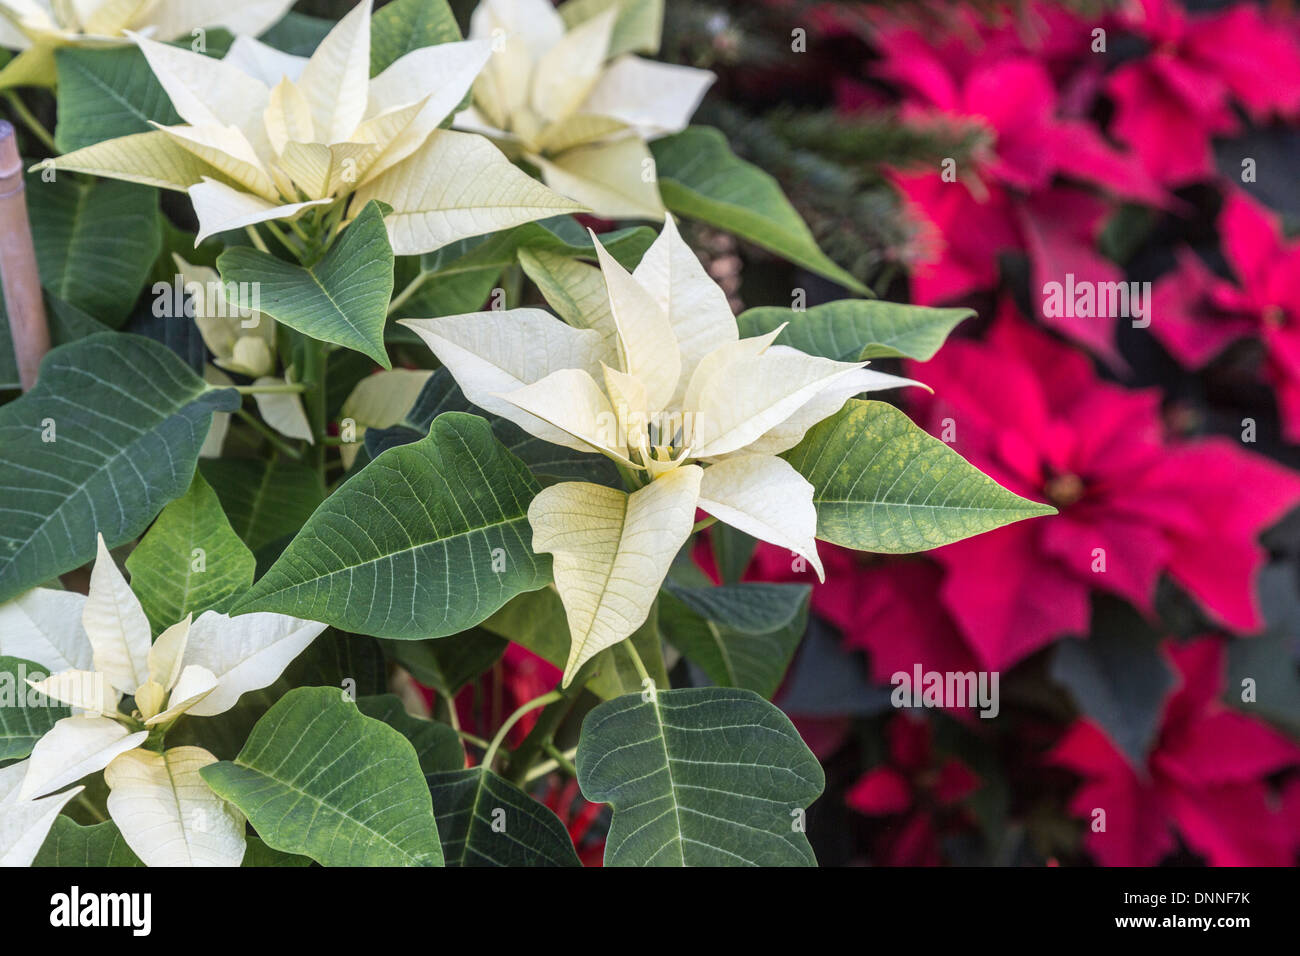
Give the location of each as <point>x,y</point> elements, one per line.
<point>319,515</point>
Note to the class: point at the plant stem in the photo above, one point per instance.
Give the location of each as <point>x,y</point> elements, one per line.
<point>478,742</point>
<point>703,523</point>
<point>522,760</point>
<point>291,387</point>
<point>256,238</point>
<point>637,662</point>
<point>276,441</point>
<point>95,812</point>
<point>513,719</point>
<point>563,760</point>
<point>30,121</point>
<point>313,374</point>
<point>412,287</point>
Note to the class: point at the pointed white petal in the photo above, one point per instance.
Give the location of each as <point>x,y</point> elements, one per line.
<point>696,307</point>
<point>764,496</point>
<point>266,63</point>
<point>536,21</point>
<point>615,180</point>
<point>177,18</point>
<point>489,353</point>
<point>336,78</point>
<point>153,159</point>
<point>444,73</point>
<point>73,748</point>
<point>653,98</point>
<point>649,346</point>
<point>611,553</point>
<point>722,356</point>
<point>44,625</point>
<point>747,397</point>
<point>193,686</point>
<point>24,825</point>
<point>567,71</point>
<point>85,690</point>
<point>167,652</point>
<point>521,32</point>
<point>204,91</point>
<point>577,292</point>
<point>288,116</point>
<point>788,433</point>
<point>228,151</point>
<point>244,653</point>
<point>168,815</point>
<point>456,186</point>
<point>220,208</point>
<point>571,401</point>
<point>116,625</point>
<point>11,781</point>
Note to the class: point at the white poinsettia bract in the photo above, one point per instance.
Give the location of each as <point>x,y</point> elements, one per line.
<point>659,380</point>
<point>268,135</point>
<point>100,650</point>
<point>577,106</point>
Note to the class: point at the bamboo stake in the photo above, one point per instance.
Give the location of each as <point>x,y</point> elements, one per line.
<point>19,278</point>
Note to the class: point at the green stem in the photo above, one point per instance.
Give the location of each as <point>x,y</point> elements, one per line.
<point>29,119</point>
<point>313,374</point>
<point>289,388</point>
<point>562,759</point>
<point>95,812</point>
<point>256,238</point>
<point>526,754</point>
<point>478,742</point>
<point>513,719</point>
<point>412,287</point>
<point>703,523</point>
<point>637,662</point>
<point>275,440</point>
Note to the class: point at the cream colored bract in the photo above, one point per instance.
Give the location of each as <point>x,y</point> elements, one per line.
<point>268,136</point>
<point>166,813</point>
<point>659,380</point>
<point>581,118</point>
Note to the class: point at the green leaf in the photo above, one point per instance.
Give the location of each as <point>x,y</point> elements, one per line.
<point>96,241</point>
<point>71,844</point>
<point>537,621</point>
<point>342,299</point>
<point>638,28</point>
<point>741,635</point>
<point>446,540</point>
<point>701,178</point>
<point>447,665</point>
<point>549,462</point>
<point>127,419</point>
<point>190,561</point>
<point>882,484</point>
<point>20,725</point>
<point>399,27</point>
<point>103,94</point>
<point>699,777</point>
<point>853,330</point>
<point>485,821</point>
<point>257,853</point>
<point>297,33</point>
<point>264,500</point>
<point>320,779</point>
<point>436,745</point>
<point>733,550</point>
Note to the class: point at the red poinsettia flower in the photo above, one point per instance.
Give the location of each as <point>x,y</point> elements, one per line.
<point>1196,314</point>
<point>1203,778</point>
<point>578,816</point>
<point>1013,197</point>
<point>1172,101</point>
<point>920,788</point>
<point>1133,504</point>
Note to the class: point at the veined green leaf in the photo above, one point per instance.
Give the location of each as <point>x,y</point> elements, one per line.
<point>638,28</point>
<point>882,484</point>
<point>342,299</point>
<point>71,844</point>
<point>741,635</point>
<point>264,500</point>
<point>699,777</point>
<point>108,436</point>
<point>437,745</point>
<point>701,178</point>
<point>485,821</point>
<point>446,540</point>
<point>21,726</point>
<point>320,779</point>
<point>852,330</point>
<point>107,93</point>
<point>448,665</point>
<point>96,241</point>
<point>399,27</point>
<point>190,561</point>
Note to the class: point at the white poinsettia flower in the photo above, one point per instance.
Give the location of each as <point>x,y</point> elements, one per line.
<point>39,27</point>
<point>100,650</point>
<point>660,381</point>
<point>269,136</point>
<point>575,106</point>
<point>241,340</point>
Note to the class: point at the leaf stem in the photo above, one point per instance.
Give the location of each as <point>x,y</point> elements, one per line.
<point>637,662</point>
<point>256,238</point>
<point>703,523</point>
<point>290,387</point>
<point>275,440</point>
<point>513,719</point>
<point>29,119</point>
<point>412,287</point>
